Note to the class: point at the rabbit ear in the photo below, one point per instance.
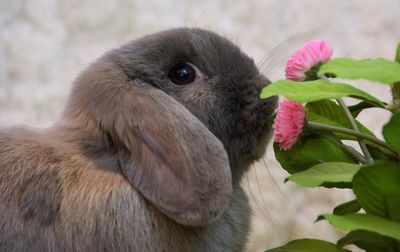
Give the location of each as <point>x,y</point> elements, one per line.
<point>170,157</point>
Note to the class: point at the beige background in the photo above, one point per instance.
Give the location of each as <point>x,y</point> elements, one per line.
<point>44,44</point>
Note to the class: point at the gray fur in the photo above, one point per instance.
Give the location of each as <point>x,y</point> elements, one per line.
<point>138,163</point>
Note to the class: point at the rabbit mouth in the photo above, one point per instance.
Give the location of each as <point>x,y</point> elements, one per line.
<point>265,130</point>
<point>248,141</point>
<point>258,129</point>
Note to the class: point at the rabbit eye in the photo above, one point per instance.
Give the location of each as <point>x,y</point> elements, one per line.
<point>182,74</point>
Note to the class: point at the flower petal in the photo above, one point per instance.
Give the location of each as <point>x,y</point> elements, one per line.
<point>312,53</point>
<point>288,124</point>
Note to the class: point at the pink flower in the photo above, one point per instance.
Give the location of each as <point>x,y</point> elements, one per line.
<point>288,124</point>
<point>306,57</point>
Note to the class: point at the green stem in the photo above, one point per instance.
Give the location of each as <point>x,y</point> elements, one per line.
<point>330,128</point>
<point>348,149</point>
<point>397,57</point>
<point>350,118</point>
<point>353,124</point>
<point>394,107</point>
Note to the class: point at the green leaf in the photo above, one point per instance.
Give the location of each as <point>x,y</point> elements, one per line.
<point>349,207</point>
<point>367,222</point>
<point>391,132</point>
<point>377,188</point>
<point>379,70</point>
<point>308,245</point>
<point>309,151</point>
<point>328,112</point>
<point>330,174</point>
<point>316,90</point>
<point>368,241</point>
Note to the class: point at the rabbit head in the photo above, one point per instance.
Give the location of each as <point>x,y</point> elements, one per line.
<point>178,114</point>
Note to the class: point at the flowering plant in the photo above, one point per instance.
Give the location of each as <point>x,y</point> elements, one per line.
<point>310,127</point>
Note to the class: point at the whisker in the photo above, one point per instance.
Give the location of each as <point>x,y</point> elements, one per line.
<point>271,52</point>
<point>276,185</point>
<point>203,12</point>
<point>300,215</point>
<point>271,60</point>
<point>187,12</point>
<point>275,222</point>
<point>266,214</point>
<point>262,197</point>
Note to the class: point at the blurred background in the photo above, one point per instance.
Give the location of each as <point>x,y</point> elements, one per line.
<point>44,44</point>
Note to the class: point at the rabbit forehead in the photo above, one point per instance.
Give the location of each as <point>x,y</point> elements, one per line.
<point>212,53</point>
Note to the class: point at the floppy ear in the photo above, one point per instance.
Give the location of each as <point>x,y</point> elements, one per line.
<point>170,157</point>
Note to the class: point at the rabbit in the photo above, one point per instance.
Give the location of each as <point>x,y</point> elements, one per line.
<point>148,154</point>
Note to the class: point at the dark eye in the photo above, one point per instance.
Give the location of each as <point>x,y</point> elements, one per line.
<point>182,74</point>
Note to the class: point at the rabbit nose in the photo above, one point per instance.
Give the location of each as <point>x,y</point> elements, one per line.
<point>256,111</point>
<point>264,81</point>
<point>267,106</point>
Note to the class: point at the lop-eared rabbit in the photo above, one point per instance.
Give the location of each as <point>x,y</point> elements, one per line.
<point>147,156</point>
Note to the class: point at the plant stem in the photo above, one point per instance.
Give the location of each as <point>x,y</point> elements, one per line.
<point>330,128</point>
<point>360,158</point>
<point>353,124</point>
<point>350,150</point>
<point>394,106</point>
<point>353,152</point>
<point>350,118</point>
